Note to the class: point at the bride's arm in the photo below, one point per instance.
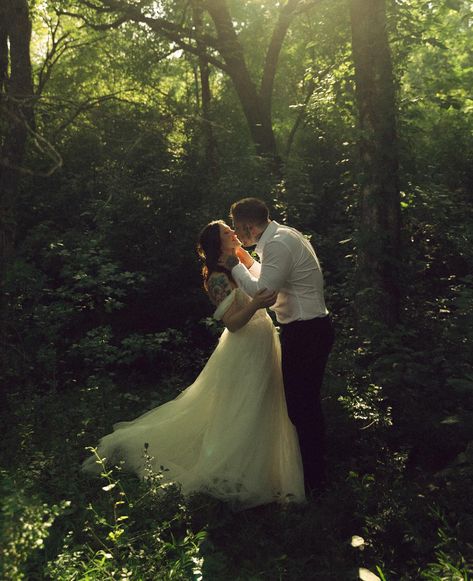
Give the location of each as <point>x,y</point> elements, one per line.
<point>245,257</point>
<point>236,317</point>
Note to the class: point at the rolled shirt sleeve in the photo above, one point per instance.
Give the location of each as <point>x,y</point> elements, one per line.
<point>289,265</point>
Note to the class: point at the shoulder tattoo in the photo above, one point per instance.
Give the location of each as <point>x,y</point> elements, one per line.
<point>219,287</point>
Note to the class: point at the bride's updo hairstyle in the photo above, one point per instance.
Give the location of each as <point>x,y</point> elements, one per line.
<point>209,249</point>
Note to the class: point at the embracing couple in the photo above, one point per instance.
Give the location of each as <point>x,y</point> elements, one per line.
<point>250,429</point>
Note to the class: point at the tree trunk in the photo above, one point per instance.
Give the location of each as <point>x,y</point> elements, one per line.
<point>205,93</point>
<point>257,112</point>
<point>16,105</point>
<point>378,292</point>
<point>224,51</point>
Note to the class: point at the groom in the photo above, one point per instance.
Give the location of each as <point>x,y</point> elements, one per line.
<point>290,266</point>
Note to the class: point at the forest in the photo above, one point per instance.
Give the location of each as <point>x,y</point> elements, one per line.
<point>125,127</point>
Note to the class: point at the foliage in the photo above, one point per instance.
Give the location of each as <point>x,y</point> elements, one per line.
<point>25,525</point>
<point>133,537</point>
<point>106,316</point>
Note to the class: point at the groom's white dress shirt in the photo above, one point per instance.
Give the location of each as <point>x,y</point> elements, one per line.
<point>290,266</point>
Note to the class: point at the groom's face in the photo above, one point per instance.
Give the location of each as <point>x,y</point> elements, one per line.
<point>244,233</point>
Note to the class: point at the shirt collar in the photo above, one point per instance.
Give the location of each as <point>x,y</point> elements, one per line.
<point>269,232</point>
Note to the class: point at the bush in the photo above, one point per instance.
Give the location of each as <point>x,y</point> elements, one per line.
<point>143,532</point>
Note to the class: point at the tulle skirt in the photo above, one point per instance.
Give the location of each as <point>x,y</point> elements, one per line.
<point>228,434</point>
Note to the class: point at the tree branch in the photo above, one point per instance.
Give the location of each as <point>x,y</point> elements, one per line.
<point>39,141</point>
<point>300,115</point>
<point>288,12</point>
<point>105,26</point>
<point>52,55</point>
<point>3,54</point>
<point>130,12</point>
<point>174,36</point>
<point>311,86</point>
<point>286,16</point>
<point>173,32</point>
<point>82,108</point>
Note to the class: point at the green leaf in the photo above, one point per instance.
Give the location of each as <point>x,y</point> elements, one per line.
<point>367,575</point>
<point>109,486</point>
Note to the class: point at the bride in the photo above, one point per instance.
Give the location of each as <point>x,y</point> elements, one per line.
<point>228,434</point>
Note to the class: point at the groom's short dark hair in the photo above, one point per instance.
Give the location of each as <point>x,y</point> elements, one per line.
<point>249,211</point>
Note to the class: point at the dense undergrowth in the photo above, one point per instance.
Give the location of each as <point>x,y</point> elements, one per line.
<point>399,416</point>
<point>105,316</point>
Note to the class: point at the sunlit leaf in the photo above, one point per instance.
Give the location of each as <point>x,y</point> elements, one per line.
<point>367,575</point>
<point>357,541</point>
<point>109,486</point>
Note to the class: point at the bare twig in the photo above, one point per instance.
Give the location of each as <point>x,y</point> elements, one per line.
<point>311,86</point>
<point>82,108</point>
<point>40,142</point>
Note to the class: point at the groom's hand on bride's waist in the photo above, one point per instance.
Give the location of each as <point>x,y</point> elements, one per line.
<point>265,298</point>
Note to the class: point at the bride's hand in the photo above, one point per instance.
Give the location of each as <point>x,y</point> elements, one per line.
<point>244,256</point>
<point>264,298</point>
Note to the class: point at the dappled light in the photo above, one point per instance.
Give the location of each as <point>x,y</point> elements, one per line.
<point>127,126</point>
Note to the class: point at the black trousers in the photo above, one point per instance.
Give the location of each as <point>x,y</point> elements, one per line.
<point>305,349</point>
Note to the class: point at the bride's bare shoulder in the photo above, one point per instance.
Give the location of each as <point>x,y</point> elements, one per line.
<point>219,286</point>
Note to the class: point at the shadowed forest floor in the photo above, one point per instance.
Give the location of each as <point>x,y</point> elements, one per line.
<point>413,521</point>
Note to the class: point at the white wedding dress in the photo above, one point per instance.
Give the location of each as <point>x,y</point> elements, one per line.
<point>228,434</point>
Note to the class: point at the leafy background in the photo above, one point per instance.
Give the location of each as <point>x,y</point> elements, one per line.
<point>107,317</point>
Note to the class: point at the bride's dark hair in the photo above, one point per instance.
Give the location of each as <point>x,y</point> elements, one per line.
<point>209,248</point>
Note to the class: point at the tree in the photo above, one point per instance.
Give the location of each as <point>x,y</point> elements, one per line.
<point>379,226</point>
<point>221,47</point>
<point>16,102</point>
<point>16,108</point>
<point>205,90</point>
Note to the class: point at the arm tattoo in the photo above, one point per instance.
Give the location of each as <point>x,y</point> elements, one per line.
<point>219,287</point>
<point>231,262</point>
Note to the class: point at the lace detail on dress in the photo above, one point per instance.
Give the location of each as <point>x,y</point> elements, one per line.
<point>224,305</point>
<point>241,298</point>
